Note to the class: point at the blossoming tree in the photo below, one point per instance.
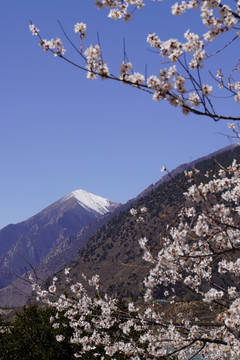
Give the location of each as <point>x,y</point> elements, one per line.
<point>201,250</point>
<point>183,82</point>
<point>205,245</point>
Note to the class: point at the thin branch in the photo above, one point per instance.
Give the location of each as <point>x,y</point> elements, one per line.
<point>178,350</point>
<point>98,38</point>
<point>70,41</point>
<point>224,47</point>
<point>198,352</point>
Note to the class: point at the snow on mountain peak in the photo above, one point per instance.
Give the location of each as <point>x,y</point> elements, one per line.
<point>91,201</point>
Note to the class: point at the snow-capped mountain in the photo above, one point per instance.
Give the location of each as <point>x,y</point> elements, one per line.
<point>31,241</point>
<point>91,202</point>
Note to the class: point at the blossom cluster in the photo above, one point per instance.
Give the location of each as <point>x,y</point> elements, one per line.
<point>55,45</point>
<point>120,9</point>
<point>94,63</point>
<point>81,28</point>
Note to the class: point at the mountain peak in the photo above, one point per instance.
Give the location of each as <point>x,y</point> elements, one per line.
<point>90,201</point>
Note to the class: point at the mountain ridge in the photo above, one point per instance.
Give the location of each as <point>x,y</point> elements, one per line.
<point>186,166</point>
<point>30,241</point>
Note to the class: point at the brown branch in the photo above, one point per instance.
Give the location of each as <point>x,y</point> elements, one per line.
<point>134,265</point>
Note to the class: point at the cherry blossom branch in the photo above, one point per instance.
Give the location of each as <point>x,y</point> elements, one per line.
<point>163,89</point>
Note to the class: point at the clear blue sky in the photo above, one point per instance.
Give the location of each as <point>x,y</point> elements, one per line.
<point>60,132</point>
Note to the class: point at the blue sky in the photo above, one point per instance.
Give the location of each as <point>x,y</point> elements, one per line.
<point>60,132</point>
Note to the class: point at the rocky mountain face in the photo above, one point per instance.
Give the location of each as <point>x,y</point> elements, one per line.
<point>44,239</point>
<point>114,253</point>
